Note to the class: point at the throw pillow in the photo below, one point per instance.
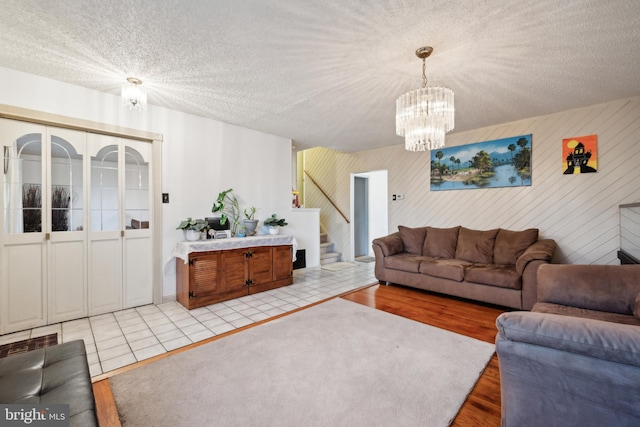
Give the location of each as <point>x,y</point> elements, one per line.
<point>511,244</point>
<point>476,246</point>
<point>412,238</point>
<point>441,242</point>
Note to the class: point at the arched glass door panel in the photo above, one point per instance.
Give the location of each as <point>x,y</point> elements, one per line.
<point>67,213</point>
<point>137,209</point>
<point>104,190</point>
<point>22,167</point>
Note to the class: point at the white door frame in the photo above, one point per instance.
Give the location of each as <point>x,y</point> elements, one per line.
<point>378,217</point>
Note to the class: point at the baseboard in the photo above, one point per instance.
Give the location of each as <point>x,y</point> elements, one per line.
<point>168,298</point>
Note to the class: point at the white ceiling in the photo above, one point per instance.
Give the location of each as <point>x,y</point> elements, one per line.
<point>327,73</point>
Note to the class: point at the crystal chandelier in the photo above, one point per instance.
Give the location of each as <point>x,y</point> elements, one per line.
<point>133,95</point>
<point>425,115</point>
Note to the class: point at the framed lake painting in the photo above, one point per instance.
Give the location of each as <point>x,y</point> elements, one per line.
<point>491,164</point>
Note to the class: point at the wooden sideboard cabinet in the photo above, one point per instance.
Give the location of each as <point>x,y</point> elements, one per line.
<point>213,276</point>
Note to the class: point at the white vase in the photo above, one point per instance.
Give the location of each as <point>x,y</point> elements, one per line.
<point>274,229</point>
<point>192,235</point>
<point>250,226</point>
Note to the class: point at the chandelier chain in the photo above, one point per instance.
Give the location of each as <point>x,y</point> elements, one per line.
<point>424,73</point>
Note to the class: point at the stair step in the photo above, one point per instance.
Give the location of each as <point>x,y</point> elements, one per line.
<point>330,257</point>
<point>323,237</point>
<point>326,248</point>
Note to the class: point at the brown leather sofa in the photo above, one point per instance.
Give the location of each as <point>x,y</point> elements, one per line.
<point>496,266</point>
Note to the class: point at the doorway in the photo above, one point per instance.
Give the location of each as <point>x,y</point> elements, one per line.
<point>360,216</point>
<point>370,211</point>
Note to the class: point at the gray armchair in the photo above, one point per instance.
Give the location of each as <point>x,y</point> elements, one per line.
<point>574,360</point>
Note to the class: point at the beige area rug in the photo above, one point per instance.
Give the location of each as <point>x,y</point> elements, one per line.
<point>339,266</point>
<point>335,364</point>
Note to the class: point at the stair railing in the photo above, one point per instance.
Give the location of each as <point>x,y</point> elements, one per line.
<point>327,196</point>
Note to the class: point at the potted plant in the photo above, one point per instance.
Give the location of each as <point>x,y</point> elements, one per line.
<point>250,223</point>
<point>192,228</point>
<point>227,205</point>
<point>273,223</point>
<point>220,206</point>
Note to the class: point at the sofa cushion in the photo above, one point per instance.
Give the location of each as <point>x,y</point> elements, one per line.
<point>56,374</point>
<point>404,262</point>
<point>589,337</point>
<point>636,306</point>
<point>503,276</point>
<point>452,269</point>
<point>584,313</point>
<point>412,238</point>
<point>476,246</point>
<point>441,242</point>
<point>612,288</point>
<point>511,244</point>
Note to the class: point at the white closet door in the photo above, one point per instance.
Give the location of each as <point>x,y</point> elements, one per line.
<point>76,224</point>
<point>138,285</point>
<point>105,224</point>
<point>23,265</point>
<point>66,242</point>
<point>120,254</point>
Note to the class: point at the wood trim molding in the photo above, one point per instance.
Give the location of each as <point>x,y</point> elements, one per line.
<point>33,116</point>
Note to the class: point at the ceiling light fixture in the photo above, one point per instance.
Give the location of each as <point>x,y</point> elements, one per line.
<point>425,115</point>
<point>133,95</point>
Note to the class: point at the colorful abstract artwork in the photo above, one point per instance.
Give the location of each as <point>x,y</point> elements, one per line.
<point>580,155</point>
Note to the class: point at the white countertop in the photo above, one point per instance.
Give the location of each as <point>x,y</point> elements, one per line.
<point>183,249</point>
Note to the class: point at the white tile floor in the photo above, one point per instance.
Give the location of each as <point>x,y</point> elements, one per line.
<point>117,339</point>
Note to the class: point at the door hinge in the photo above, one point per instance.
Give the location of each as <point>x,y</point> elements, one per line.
<point>192,294</point>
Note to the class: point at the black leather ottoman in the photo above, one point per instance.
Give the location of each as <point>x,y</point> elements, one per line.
<point>56,374</point>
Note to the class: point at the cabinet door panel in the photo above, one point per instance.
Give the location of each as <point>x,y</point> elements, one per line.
<point>25,306</point>
<point>67,281</point>
<point>105,274</point>
<point>234,269</point>
<point>261,265</point>
<point>204,274</point>
<point>282,262</point>
<point>137,284</point>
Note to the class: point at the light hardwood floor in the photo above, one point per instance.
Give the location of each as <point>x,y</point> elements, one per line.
<point>482,407</point>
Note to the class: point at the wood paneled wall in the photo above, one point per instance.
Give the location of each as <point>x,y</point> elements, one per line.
<point>579,211</point>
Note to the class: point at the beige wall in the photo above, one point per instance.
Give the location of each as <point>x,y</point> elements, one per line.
<point>579,211</point>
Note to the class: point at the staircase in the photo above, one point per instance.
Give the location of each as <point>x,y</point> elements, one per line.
<point>327,254</point>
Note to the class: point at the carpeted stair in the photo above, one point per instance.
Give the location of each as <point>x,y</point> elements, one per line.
<point>327,252</point>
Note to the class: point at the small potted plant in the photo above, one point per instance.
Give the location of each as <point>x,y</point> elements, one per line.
<point>228,207</point>
<point>192,228</point>
<point>250,223</point>
<point>273,224</point>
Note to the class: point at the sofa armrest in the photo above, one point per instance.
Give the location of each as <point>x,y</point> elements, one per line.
<point>384,247</point>
<point>390,245</point>
<point>611,288</point>
<point>541,250</point>
<point>593,338</point>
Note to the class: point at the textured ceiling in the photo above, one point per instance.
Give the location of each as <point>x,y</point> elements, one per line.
<point>327,73</point>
